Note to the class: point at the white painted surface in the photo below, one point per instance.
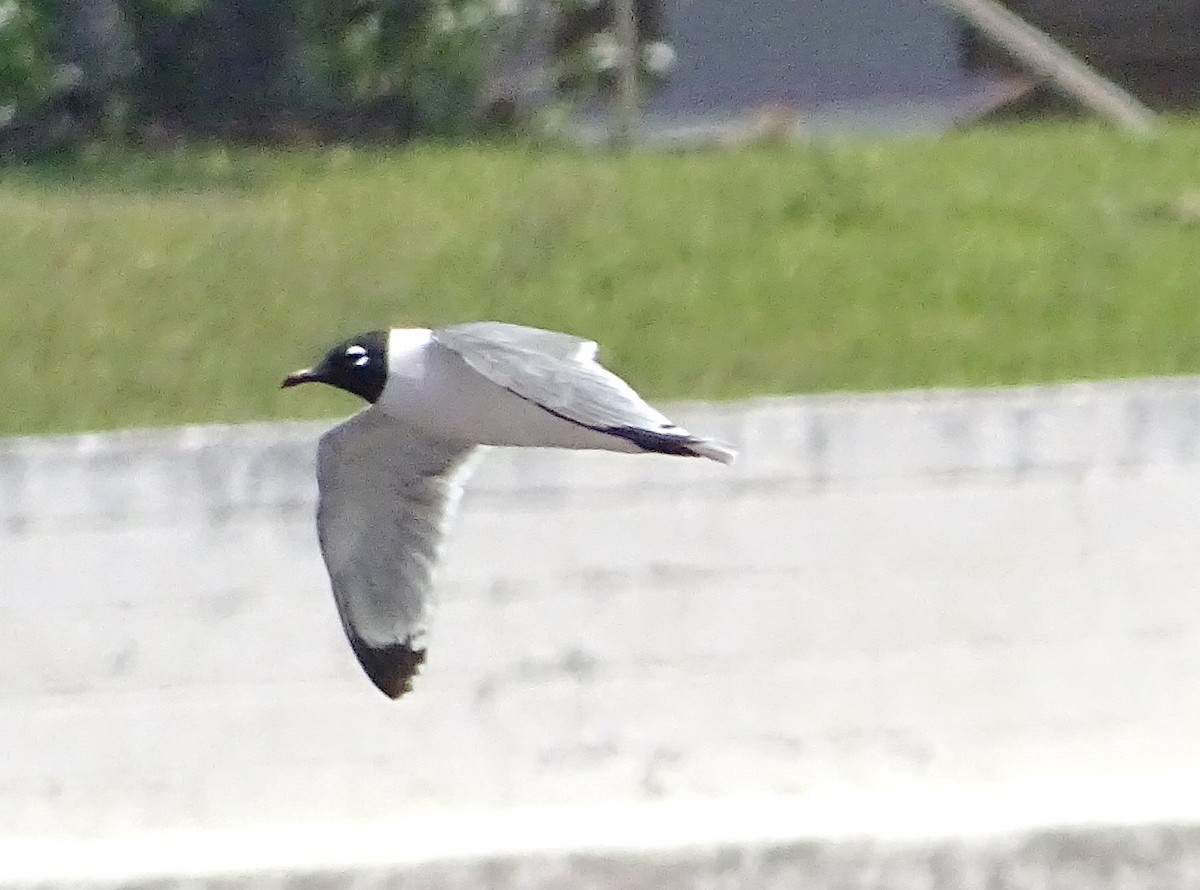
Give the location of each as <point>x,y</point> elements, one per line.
<point>908,595</point>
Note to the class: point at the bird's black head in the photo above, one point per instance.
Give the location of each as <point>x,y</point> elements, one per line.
<point>359,366</point>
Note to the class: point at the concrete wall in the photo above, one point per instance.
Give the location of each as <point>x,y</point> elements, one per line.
<point>910,615</point>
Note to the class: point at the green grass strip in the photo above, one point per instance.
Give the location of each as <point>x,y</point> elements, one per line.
<point>180,287</point>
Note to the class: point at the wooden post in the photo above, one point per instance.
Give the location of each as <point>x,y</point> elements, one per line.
<point>1041,53</point>
<point>625,114</point>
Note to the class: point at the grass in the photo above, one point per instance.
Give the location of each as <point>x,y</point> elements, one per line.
<point>181,287</point>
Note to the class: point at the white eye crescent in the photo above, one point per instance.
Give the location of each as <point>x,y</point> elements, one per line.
<point>359,354</point>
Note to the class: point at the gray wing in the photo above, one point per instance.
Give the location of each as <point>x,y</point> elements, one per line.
<point>540,366</point>
<point>480,334</point>
<point>386,495</point>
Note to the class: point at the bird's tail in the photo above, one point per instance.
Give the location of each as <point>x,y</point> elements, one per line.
<point>674,440</point>
<point>698,447</point>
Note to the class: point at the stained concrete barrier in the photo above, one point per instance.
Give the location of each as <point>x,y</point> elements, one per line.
<point>906,616</point>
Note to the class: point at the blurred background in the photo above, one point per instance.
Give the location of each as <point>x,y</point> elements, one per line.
<point>162,70</point>
<point>930,266</point>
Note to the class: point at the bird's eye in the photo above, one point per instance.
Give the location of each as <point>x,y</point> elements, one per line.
<point>358,354</point>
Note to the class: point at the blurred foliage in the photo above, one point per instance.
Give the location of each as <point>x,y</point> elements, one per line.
<point>431,55</point>
<point>26,61</point>
<point>260,69</point>
<point>204,60</point>
<point>586,47</point>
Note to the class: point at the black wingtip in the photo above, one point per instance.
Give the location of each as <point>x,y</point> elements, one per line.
<point>391,668</point>
<point>674,441</point>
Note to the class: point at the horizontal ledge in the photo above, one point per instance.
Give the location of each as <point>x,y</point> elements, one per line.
<point>623,831</point>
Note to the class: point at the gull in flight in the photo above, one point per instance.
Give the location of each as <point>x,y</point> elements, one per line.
<point>389,477</point>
